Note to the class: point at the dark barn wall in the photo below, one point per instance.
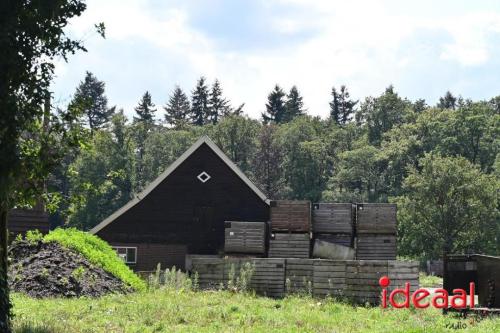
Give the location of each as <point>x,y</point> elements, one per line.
<point>184,211</point>
<point>19,221</point>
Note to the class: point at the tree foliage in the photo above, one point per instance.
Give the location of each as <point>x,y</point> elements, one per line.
<point>275,107</point>
<point>200,111</point>
<point>91,102</point>
<point>448,206</point>
<point>177,108</point>
<point>32,36</point>
<point>341,106</point>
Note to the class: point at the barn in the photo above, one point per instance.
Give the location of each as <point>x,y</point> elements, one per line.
<point>20,221</point>
<point>184,210</point>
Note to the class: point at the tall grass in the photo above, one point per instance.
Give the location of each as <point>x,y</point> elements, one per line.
<point>98,252</point>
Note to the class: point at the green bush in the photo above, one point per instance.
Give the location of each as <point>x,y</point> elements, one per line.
<point>98,252</point>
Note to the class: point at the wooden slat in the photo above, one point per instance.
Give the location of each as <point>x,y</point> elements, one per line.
<point>245,237</point>
<point>289,215</point>
<point>332,218</point>
<point>375,218</point>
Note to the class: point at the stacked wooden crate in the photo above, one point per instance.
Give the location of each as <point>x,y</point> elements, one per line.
<point>362,278</point>
<point>290,229</point>
<point>329,278</point>
<point>332,223</point>
<point>376,231</point>
<point>245,237</point>
<point>299,275</point>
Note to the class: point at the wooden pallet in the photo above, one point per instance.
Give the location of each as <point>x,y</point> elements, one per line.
<point>245,237</point>
<point>332,218</point>
<point>283,245</point>
<point>375,218</point>
<point>289,215</point>
<point>375,247</point>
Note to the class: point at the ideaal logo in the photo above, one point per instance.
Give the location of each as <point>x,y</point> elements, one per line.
<point>419,300</point>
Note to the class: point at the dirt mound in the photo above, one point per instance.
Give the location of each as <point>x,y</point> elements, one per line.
<point>49,270</point>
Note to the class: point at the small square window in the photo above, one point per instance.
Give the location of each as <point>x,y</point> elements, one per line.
<point>203,177</point>
<point>127,254</point>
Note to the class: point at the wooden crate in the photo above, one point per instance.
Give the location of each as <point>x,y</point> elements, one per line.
<point>375,218</point>
<point>283,245</point>
<point>299,275</point>
<point>289,215</point>
<point>362,280</point>
<point>400,272</point>
<point>375,247</point>
<point>329,277</point>
<point>340,239</point>
<point>268,276</point>
<point>245,237</point>
<point>332,218</point>
<point>209,270</point>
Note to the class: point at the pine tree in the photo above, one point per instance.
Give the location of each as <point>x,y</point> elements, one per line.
<point>178,108</point>
<point>448,101</point>
<point>294,105</point>
<point>218,105</point>
<point>275,107</point>
<point>200,111</point>
<point>90,99</point>
<point>341,106</point>
<point>145,110</point>
<point>143,124</point>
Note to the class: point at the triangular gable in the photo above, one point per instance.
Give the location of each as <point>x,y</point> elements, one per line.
<point>204,139</point>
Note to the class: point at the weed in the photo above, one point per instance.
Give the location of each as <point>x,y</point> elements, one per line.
<point>78,273</point>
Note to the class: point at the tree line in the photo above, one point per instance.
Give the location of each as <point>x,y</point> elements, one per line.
<point>440,163</point>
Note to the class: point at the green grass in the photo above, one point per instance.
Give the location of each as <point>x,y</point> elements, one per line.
<point>169,310</point>
<point>97,252</point>
<point>430,281</point>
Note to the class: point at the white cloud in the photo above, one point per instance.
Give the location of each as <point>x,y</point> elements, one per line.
<point>354,43</point>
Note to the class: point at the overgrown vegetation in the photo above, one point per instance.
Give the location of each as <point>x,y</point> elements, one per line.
<point>430,281</point>
<point>171,310</point>
<point>97,252</point>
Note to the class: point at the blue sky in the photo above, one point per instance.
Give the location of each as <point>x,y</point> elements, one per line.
<point>423,48</point>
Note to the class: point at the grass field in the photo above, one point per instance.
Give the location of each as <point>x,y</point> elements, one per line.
<point>168,310</point>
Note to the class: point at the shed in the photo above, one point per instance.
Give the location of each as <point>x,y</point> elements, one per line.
<point>21,220</point>
<point>183,211</point>
<point>483,270</point>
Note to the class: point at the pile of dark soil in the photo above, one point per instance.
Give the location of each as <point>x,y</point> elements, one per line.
<point>49,270</point>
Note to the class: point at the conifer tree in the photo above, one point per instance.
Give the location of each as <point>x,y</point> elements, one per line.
<point>145,110</point>
<point>294,105</point>
<point>200,111</point>
<point>218,105</point>
<point>341,106</point>
<point>448,101</point>
<point>90,99</point>
<point>177,108</point>
<point>275,107</point>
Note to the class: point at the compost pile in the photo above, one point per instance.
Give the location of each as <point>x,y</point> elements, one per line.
<point>41,269</point>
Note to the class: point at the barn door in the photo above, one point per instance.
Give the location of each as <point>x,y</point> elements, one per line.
<point>206,228</point>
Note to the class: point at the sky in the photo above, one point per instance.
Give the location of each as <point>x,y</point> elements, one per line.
<point>423,48</point>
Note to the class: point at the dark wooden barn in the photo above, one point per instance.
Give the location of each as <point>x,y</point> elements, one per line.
<point>19,221</point>
<point>183,211</point>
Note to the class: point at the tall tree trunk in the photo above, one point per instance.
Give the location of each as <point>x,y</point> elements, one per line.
<point>4,288</point>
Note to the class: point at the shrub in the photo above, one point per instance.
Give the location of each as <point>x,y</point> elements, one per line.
<point>33,236</point>
<point>98,252</point>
